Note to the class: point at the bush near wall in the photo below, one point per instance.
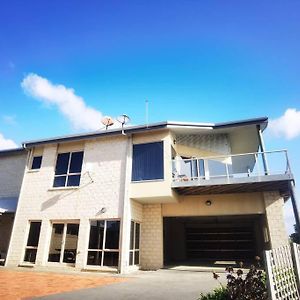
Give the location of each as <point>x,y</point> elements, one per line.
<point>240,286</point>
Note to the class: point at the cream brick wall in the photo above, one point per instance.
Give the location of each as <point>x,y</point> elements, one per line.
<point>275,219</point>
<point>136,211</point>
<point>102,185</point>
<point>152,237</point>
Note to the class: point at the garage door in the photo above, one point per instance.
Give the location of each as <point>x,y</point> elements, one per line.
<point>220,242</point>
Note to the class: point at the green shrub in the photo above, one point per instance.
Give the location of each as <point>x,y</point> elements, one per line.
<point>217,294</point>
<point>251,286</point>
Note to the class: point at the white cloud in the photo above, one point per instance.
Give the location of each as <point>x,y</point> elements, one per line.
<point>287,126</point>
<point>6,143</point>
<point>68,103</point>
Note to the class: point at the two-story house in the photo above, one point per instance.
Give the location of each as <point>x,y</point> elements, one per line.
<point>150,196</point>
<point>12,165</point>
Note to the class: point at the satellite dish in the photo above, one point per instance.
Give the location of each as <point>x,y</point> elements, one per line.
<point>123,119</point>
<point>107,121</point>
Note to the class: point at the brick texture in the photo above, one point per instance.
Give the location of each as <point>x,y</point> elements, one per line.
<point>275,219</point>
<point>152,237</point>
<point>11,174</point>
<point>103,175</point>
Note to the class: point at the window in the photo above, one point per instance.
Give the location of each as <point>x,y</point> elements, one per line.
<point>68,169</point>
<point>104,243</point>
<point>147,161</point>
<point>32,242</point>
<point>36,162</point>
<point>63,246</point>
<point>134,252</point>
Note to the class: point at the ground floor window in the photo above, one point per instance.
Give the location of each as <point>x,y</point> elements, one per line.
<point>104,243</point>
<point>32,242</point>
<point>63,244</point>
<point>134,252</point>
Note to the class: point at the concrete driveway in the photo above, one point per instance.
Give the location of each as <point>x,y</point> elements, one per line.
<point>161,284</point>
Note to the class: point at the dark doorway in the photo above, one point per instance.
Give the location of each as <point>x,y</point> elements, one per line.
<point>212,240</point>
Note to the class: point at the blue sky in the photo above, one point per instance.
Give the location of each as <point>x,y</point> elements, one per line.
<point>193,60</point>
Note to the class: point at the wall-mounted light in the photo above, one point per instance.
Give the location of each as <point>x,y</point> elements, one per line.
<point>101,211</point>
<point>208,202</point>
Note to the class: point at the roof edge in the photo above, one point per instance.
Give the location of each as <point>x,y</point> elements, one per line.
<point>12,151</point>
<point>142,128</point>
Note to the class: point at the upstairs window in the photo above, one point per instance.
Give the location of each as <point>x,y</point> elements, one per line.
<point>36,162</point>
<point>147,161</point>
<point>68,169</point>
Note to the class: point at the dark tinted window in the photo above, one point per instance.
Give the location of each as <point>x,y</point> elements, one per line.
<point>96,235</point>
<point>137,236</point>
<point>131,235</point>
<point>66,165</point>
<point>147,161</point>
<point>36,162</point>
<point>111,259</point>
<point>112,235</point>
<point>62,163</point>
<point>137,257</point>
<point>30,255</point>
<point>34,234</point>
<point>59,181</point>
<point>73,180</point>
<point>94,258</point>
<point>76,162</point>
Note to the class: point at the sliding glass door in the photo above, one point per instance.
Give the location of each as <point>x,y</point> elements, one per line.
<point>63,244</point>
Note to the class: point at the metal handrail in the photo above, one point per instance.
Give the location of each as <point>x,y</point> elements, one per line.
<point>233,155</point>
<point>257,163</point>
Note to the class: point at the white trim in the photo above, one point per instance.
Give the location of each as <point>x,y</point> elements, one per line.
<point>103,250</point>
<point>63,242</point>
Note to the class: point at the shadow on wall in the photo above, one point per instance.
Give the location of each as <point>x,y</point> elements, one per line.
<point>53,200</point>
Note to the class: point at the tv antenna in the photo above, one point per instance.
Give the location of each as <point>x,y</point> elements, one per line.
<point>123,119</point>
<point>107,121</point>
<point>147,112</point>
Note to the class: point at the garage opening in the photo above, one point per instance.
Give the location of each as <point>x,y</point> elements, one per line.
<point>212,240</point>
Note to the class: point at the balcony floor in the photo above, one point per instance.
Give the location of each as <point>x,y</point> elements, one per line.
<point>235,185</point>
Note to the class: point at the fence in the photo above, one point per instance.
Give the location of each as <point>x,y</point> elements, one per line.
<point>283,272</point>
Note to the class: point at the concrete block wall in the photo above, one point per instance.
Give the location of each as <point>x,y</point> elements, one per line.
<point>103,175</point>
<point>152,237</point>
<point>11,174</point>
<point>136,211</point>
<point>275,219</point>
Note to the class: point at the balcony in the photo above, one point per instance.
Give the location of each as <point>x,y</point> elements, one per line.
<point>247,172</point>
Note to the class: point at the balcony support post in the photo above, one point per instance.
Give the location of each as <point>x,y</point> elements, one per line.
<point>262,149</point>
<point>294,204</point>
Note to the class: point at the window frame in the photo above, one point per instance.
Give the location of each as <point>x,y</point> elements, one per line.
<point>32,160</point>
<point>134,250</point>
<point>65,223</point>
<point>163,162</point>
<point>68,174</point>
<point>104,249</point>
<point>27,240</point>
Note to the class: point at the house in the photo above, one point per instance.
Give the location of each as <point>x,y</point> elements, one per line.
<point>150,196</point>
<point>12,165</point>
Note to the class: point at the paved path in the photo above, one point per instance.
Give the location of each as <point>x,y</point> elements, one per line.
<point>162,284</point>
<point>22,284</point>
